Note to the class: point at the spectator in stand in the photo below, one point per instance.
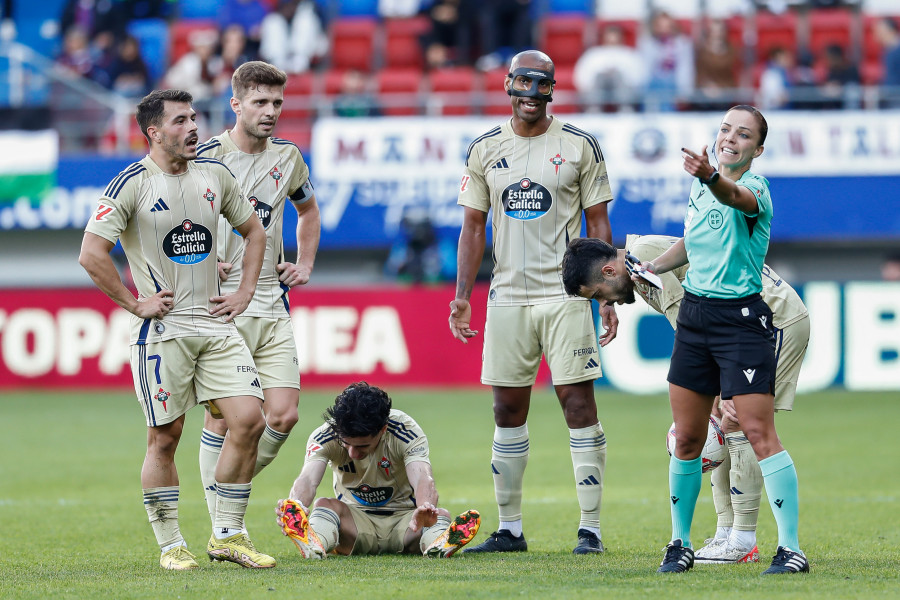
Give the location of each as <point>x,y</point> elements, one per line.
<point>233,53</point>
<point>841,87</point>
<point>890,268</point>
<point>196,71</point>
<point>76,56</point>
<point>449,39</point>
<point>354,99</point>
<point>775,81</point>
<point>249,14</point>
<point>610,74</point>
<point>888,33</point>
<point>96,16</point>
<point>505,29</point>
<point>717,63</point>
<point>127,73</point>
<point>669,56</point>
<point>293,37</point>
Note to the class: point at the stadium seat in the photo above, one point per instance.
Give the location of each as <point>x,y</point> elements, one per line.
<point>402,48</point>
<point>398,91</point>
<point>563,37</point>
<point>298,96</point>
<point>871,72</point>
<point>871,48</point>
<point>829,26</point>
<point>153,36</point>
<point>299,132</point>
<point>180,33</point>
<point>455,88</point>
<point>353,43</point>
<point>496,102</point>
<point>775,31</point>
<point>565,98</point>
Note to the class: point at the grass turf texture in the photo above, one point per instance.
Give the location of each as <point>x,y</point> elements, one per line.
<point>73,525</point>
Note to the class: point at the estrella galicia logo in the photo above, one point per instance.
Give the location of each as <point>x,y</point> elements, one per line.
<point>372,496</point>
<point>263,211</point>
<point>715,219</point>
<point>188,244</point>
<point>526,200</point>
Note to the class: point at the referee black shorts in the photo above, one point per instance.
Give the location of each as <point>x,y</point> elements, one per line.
<point>724,345</point>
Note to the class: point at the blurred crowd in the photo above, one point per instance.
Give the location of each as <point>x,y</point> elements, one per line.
<point>657,67</point>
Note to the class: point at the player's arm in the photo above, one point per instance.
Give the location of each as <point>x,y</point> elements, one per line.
<point>725,190</point>
<point>306,484</point>
<point>98,263</point>
<point>309,228</point>
<point>468,258</point>
<point>674,257</point>
<point>234,304</point>
<point>422,481</point>
<point>597,226</point>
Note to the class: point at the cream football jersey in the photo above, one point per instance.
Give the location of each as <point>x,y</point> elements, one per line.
<point>538,188</point>
<point>786,305</point>
<point>267,179</point>
<point>167,225</point>
<point>379,481</point>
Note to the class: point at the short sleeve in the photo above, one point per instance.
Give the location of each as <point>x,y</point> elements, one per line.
<point>473,189</point>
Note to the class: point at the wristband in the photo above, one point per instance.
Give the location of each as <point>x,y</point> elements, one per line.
<point>712,179</point>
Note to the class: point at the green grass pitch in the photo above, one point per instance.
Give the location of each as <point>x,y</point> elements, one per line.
<point>72,524</point>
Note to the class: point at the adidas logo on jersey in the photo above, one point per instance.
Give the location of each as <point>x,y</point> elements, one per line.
<point>160,205</point>
<point>501,164</point>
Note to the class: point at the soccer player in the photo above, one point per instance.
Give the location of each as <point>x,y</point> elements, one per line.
<point>724,339</point>
<point>271,171</point>
<point>386,499</point>
<point>185,348</point>
<point>543,178</point>
<point>594,269</point>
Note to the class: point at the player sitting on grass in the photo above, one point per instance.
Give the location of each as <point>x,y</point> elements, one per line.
<point>386,500</point>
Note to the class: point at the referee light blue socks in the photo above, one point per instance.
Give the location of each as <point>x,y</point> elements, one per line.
<point>685,478</point>
<point>780,478</point>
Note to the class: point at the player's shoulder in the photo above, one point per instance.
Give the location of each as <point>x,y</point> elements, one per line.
<point>648,247</point>
<point>282,144</point>
<point>491,135</point>
<point>579,136</point>
<point>132,174</point>
<point>211,164</point>
<point>214,147</point>
<point>403,427</point>
<point>323,434</point>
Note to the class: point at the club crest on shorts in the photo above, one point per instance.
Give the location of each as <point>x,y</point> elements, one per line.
<point>161,396</point>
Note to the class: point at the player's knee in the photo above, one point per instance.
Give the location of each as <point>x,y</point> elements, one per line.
<point>443,512</point>
<point>329,503</point>
<point>687,446</point>
<point>163,442</point>
<point>283,421</point>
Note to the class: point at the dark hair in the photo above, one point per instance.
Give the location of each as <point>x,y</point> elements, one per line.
<point>361,410</point>
<point>152,107</point>
<point>583,256</point>
<point>760,120</point>
<point>255,73</point>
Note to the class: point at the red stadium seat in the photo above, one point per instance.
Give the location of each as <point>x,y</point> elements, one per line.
<point>775,31</point>
<point>353,43</point>
<point>299,132</point>
<point>398,91</point>
<point>871,72</point>
<point>333,82</point>
<point>455,88</point>
<point>496,102</point>
<point>827,27</point>
<point>180,34</point>
<point>563,37</point>
<point>871,47</point>
<point>298,96</point>
<point>402,48</point>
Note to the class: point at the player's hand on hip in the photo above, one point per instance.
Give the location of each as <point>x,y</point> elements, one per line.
<point>230,305</point>
<point>224,270</point>
<point>156,306</point>
<point>610,321</point>
<point>460,318</point>
<point>697,163</point>
<point>291,274</point>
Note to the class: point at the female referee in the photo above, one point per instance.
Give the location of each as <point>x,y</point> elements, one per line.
<point>724,341</point>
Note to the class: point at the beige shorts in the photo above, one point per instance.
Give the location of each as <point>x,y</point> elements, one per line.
<point>379,534</point>
<point>271,342</point>
<point>515,337</point>
<point>791,343</point>
<point>173,376</point>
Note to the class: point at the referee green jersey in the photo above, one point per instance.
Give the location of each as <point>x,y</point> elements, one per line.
<point>726,247</point>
